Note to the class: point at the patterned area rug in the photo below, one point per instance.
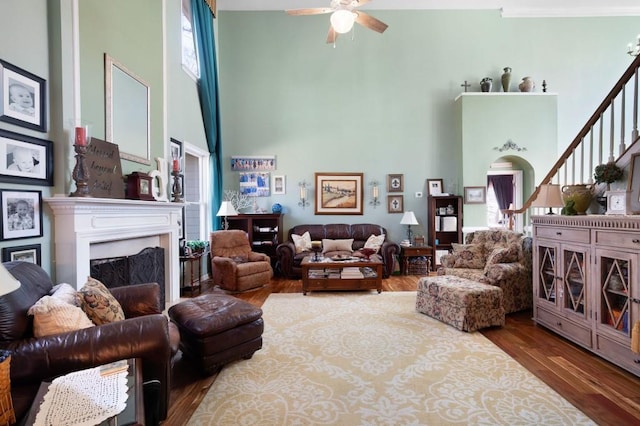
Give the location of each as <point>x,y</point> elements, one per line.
<point>371,359</point>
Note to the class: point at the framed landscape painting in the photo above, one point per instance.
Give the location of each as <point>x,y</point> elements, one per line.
<point>339,193</point>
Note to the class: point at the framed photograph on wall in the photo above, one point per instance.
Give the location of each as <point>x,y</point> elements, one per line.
<point>22,97</point>
<point>395,203</point>
<point>255,184</point>
<point>30,253</point>
<point>474,195</point>
<point>279,187</point>
<point>25,160</point>
<point>395,183</point>
<point>21,214</point>
<point>634,183</point>
<point>339,193</point>
<point>434,186</point>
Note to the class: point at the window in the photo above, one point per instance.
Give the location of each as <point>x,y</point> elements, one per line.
<point>189,56</point>
<point>196,189</point>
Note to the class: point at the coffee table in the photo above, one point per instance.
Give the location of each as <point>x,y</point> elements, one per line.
<point>133,413</point>
<point>327,274</point>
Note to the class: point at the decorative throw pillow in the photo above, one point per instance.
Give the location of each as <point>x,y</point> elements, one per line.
<point>468,256</point>
<point>337,245</point>
<point>374,242</point>
<point>52,315</point>
<point>302,242</point>
<point>504,255</point>
<point>98,303</point>
<point>64,292</point>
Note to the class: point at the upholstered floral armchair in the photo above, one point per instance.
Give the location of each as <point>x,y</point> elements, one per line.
<point>500,258</point>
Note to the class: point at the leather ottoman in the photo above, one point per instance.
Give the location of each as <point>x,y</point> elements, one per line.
<point>216,329</point>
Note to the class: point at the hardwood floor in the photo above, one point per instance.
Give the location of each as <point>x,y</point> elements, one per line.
<point>604,392</point>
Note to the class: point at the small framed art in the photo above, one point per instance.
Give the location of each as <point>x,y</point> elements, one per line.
<point>395,203</point>
<point>22,97</point>
<point>30,253</point>
<point>434,186</point>
<point>21,214</point>
<point>279,185</point>
<point>474,195</point>
<point>25,160</point>
<point>395,183</point>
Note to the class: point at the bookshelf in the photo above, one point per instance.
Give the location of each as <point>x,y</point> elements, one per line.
<point>445,224</point>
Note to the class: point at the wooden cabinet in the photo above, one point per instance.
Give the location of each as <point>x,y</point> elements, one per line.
<point>586,282</point>
<point>263,230</point>
<point>445,223</point>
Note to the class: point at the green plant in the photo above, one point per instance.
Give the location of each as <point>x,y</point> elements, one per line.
<point>607,173</point>
<point>197,245</point>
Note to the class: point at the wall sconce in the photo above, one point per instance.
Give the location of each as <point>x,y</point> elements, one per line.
<point>303,194</point>
<point>375,193</point>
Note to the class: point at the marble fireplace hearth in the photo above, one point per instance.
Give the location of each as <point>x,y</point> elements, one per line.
<point>93,228</point>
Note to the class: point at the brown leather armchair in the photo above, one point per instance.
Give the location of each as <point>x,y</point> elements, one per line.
<point>143,334</point>
<point>235,267</point>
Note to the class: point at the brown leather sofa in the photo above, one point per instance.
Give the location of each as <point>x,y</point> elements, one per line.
<point>289,261</point>
<point>143,334</point>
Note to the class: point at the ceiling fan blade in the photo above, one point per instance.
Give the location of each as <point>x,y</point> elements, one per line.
<point>358,3</point>
<point>332,36</point>
<point>370,22</point>
<point>312,11</point>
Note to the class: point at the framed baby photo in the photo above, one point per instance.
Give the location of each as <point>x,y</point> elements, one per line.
<point>22,97</point>
<point>395,203</point>
<point>25,159</point>
<point>21,214</point>
<point>30,253</point>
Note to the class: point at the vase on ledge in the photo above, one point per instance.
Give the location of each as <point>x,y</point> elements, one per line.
<point>527,85</point>
<point>506,79</point>
<point>485,84</point>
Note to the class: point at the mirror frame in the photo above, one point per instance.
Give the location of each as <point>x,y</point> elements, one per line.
<point>142,152</point>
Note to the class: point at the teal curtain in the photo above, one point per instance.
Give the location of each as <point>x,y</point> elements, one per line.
<point>203,34</point>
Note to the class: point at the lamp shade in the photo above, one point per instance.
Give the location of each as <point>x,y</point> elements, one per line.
<point>227,209</point>
<point>548,196</point>
<point>409,219</point>
<point>342,21</point>
<point>7,282</point>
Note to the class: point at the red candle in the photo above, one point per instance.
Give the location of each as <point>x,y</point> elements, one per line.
<point>81,136</point>
<point>176,165</point>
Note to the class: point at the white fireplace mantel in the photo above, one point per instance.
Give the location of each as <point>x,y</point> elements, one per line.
<point>84,226</point>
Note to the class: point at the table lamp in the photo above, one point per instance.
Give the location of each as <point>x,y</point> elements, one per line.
<point>226,209</point>
<point>409,219</point>
<point>548,196</point>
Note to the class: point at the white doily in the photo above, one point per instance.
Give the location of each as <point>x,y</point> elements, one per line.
<point>83,398</point>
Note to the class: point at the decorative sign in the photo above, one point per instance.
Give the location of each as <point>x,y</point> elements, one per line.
<point>253,163</point>
<point>105,170</point>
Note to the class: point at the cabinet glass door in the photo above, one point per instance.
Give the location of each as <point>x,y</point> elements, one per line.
<point>574,279</point>
<point>614,301</point>
<point>547,271</point>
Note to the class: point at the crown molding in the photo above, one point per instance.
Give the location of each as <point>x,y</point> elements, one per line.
<point>568,12</point>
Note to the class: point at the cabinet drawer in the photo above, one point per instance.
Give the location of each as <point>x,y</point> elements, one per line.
<point>618,239</point>
<point>618,353</point>
<point>565,327</point>
<point>563,234</point>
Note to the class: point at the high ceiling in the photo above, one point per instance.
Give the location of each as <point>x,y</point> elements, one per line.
<point>508,7</point>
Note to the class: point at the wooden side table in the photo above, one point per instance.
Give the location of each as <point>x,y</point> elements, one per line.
<point>415,251</point>
<point>195,265</point>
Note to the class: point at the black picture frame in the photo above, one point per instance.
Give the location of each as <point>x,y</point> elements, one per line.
<point>17,150</point>
<point>16,84</point>
<point>29,253</point>
<point>30,225</point>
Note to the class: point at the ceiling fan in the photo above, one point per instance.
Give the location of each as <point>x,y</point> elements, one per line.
<point>343,16</point>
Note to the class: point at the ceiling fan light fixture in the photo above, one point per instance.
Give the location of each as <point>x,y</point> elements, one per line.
<point>342,20</point>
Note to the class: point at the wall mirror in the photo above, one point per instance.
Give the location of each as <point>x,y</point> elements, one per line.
<point>127,112</point>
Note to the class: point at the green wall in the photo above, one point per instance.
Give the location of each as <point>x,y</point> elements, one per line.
<point>383,104</point>
<point>149,47</point>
